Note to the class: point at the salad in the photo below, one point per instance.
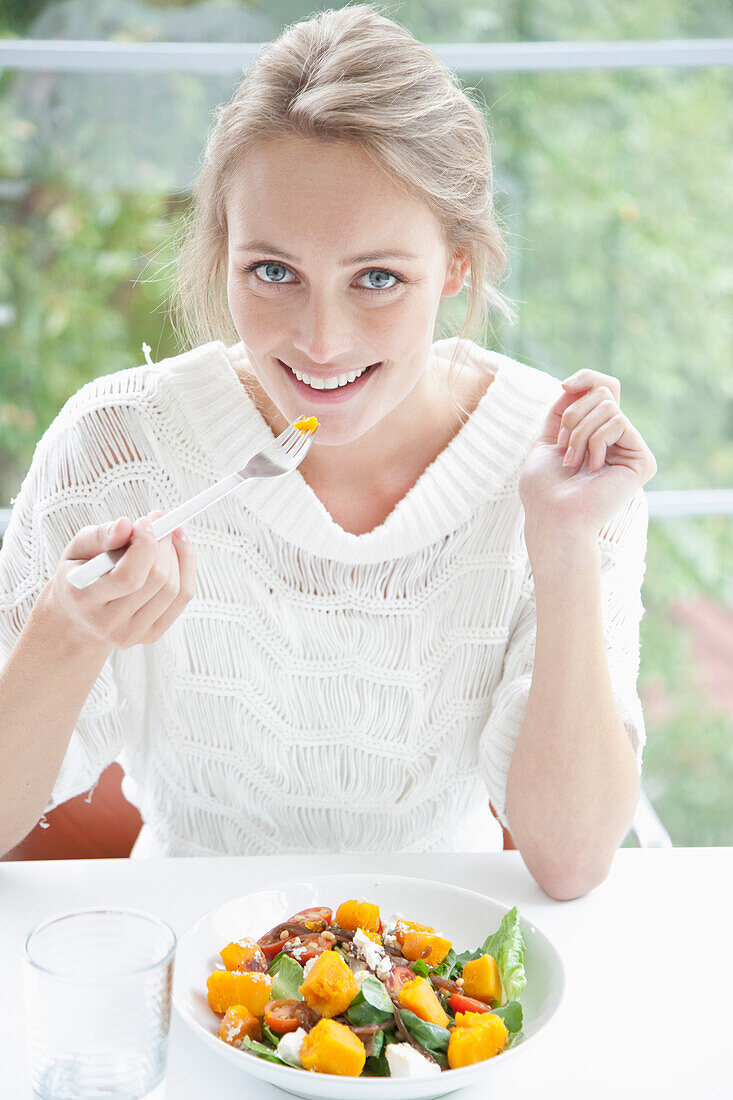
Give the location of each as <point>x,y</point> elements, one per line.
<point>357,995</point>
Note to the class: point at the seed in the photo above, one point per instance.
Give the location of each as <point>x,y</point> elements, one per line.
<point>283,935</point>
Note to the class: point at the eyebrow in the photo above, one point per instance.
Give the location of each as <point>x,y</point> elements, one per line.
<point>369,257</point>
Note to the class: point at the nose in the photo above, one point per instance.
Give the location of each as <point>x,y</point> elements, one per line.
<point>323,329</point>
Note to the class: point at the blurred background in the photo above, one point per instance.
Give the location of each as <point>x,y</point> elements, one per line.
<point>612,136</point>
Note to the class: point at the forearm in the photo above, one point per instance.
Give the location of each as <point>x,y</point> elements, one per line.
<point>573,783</point>
<point>43,686</point>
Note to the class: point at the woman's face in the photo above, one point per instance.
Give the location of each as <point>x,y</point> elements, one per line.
<point>333,269</point>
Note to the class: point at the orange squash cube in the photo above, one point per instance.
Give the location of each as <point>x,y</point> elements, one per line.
<point>481,979</point>
<point>358,914</point>
<point>244,955</point>
<point>238,1021</point>
<point>330,986</point>
<point>226,988</point>
<point>330,1047</point>
<point>478,1042</point>
<point>419,941</point>
<point>420,997</point>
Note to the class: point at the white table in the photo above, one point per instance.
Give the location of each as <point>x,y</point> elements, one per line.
<point>648,1007</point>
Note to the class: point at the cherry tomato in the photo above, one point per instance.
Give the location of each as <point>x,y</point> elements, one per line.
<point>319,914</point>
<point>270,945</point>
<point>306,949</point>
<point>397,977</point>
<point>280,1016</point>
<point>461,1003</point>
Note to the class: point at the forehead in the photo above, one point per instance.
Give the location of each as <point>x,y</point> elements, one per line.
<point>302,191</point>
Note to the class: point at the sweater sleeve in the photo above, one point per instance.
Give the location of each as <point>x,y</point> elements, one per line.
<point>90,466</point>
<point>622,543</point>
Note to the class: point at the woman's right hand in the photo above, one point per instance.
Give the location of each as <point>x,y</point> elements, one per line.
<point>145,592</point>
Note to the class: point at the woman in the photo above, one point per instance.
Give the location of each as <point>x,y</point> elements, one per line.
<point>438,609</point>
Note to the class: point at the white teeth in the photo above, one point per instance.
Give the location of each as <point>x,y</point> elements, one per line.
<point>328,383</point>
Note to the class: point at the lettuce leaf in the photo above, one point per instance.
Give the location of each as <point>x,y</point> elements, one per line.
<point>286,975</point>
<point>512,1015</point>
<point>507,947</point>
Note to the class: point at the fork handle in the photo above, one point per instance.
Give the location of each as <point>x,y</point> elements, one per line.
<point>84,575</point>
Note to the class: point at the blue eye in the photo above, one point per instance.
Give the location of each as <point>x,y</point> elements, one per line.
<point>276,278</point>
<point>275,275</point>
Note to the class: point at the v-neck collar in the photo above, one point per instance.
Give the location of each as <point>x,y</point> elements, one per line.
<point>485,452</point>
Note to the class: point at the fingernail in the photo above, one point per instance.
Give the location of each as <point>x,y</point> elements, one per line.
<point>563,437</point>
<point>144,524</point>
<point>181,534</point>
<point>111,527</point>
<point>569,456</point>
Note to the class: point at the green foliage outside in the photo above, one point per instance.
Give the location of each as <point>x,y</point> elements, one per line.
<point>615,189</point>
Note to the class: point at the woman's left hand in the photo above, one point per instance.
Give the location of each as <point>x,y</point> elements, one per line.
<point>582,491</point>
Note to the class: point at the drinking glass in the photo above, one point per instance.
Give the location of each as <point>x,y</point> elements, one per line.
<point>97,985</point>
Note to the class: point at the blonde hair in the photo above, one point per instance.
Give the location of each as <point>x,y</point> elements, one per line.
<point>349,75</point>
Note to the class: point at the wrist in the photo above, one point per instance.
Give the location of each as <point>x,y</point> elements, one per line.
<point>562,548</point>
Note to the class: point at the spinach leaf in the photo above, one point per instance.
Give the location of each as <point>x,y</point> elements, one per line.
<point>261,1050</point>
<point>269,1034</point>
<point>376,1066</point>
<point>448,965</point>
<point>286,975</point>
<point>430,1036</point>
<point>513,1039</point>
<point>371,1005</point>
<point>377,1044</point>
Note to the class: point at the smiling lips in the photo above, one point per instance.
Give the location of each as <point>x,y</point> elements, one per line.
<point>323,382</point>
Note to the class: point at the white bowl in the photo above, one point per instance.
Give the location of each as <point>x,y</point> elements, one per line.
<point>464,916</point>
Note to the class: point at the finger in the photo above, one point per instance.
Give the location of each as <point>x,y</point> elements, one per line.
<point>140,573</point>
<point>551,426</point>
<point>586,379</point>
<point>604,437</point>
<point>579,437</point>
<point>580,408</point>
<point>90,541</point>
<point>187,588</point>
<point>138,548</point>
<point>160,588</point>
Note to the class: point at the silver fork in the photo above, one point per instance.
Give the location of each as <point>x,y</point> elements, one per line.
<point>284,454</point>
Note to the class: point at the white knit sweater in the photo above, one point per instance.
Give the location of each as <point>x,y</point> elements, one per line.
<point>322,691</point>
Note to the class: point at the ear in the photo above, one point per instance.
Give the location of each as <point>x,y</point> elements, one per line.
<point>456,274</point>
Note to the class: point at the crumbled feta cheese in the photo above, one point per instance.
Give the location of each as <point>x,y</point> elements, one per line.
<point>309,966</point>
<point>289,1046</point>
<point>360,975</point>
<point>405,1061</point>
<point>370,951</point>
<point>391,922</point>
<point>383,967</point>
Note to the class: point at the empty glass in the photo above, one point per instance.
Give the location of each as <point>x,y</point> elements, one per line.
<point>98,986</point>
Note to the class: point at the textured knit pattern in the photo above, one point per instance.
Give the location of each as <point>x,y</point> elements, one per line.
<point>322,691</point>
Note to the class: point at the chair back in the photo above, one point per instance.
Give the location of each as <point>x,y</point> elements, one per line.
<point>106,827</point>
